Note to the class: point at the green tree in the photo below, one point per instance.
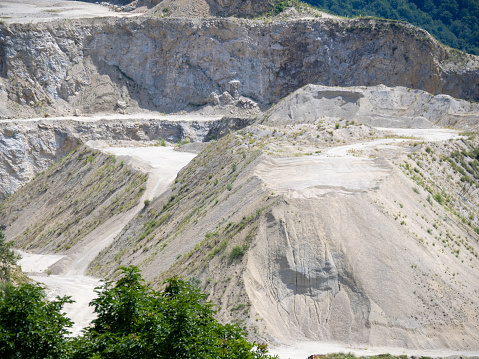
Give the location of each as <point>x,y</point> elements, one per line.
<point>8,258</point>
<point>136,322</point>
<point>32,327</point>
<point>454,22</point>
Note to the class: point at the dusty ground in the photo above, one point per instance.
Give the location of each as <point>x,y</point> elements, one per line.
<point>340,169</point>
<point>26,11</point>
<point>303,350</point>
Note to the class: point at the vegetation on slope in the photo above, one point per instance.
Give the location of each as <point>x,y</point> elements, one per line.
<point>199,188</point>
<point>454,22</point>
<point>449,173</point>
<point>8,258</point>
<point>73,197</point>
<point>133,321</point>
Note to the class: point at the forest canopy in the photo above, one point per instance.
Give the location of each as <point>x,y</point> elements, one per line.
<point>453,22</point>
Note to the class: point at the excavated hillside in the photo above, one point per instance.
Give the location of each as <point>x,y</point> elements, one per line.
<point>340,214</point>
<point>319,227</point>
<point>31,146</point>
<point>57,210</point>
<point>173,64</point>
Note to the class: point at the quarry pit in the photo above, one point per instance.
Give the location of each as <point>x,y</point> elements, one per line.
<point>236,132</point>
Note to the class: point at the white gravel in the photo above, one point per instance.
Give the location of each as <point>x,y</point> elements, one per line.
<point>32,11</point>
<point>303,350</point>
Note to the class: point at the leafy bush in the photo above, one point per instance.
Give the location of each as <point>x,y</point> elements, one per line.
<point>237,252</point>
<point>135,321</point>
<point>279,8</point>
<point>438,198</point>
<point>8,258</point>
<point>30,325</point>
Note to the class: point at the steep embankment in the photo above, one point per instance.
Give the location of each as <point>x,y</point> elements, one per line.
<point>175,64</point>
<point>30,146</point>
<point>57,209</point>
<point>324,229</point>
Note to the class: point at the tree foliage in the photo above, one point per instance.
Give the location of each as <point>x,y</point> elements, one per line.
<point>30,325</point>
<point>133,322</point>
<point>8,257</point>
<point>454,22</point>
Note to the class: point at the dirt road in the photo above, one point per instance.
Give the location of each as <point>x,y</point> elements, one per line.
<point>342,168</point>
<point>303,350</point>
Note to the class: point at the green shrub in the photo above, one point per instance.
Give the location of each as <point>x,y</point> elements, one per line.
<point>238,252</point>
<point>279,8</point>
<point>30,325</point>
<point>438,198</point>
<point>135,321</point>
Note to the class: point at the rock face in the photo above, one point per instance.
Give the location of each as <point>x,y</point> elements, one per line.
<point>29,147</point>
<point>174,64</point>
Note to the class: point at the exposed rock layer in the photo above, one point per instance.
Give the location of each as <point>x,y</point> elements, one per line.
<point>173,64</point>
<point>377,106</point>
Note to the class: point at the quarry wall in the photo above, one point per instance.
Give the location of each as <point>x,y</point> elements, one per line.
<point>180,64</point>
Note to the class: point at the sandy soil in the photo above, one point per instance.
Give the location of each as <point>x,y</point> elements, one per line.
<point>303,350</point>
<point>340,169</point>
<point>336,169</point>
<point>37,263</point>
<point>162,163</point>
<point>321,174</point>
<point>26,11</point>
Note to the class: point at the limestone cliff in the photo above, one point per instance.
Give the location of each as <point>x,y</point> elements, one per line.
<point>175,64</point>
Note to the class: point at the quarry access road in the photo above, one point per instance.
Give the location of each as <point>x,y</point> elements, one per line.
<point>342,169</point>
<point>302,350</point>
<point>110,117</point>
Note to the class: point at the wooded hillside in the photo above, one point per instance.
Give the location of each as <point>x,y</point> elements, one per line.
<point>453,22</point>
